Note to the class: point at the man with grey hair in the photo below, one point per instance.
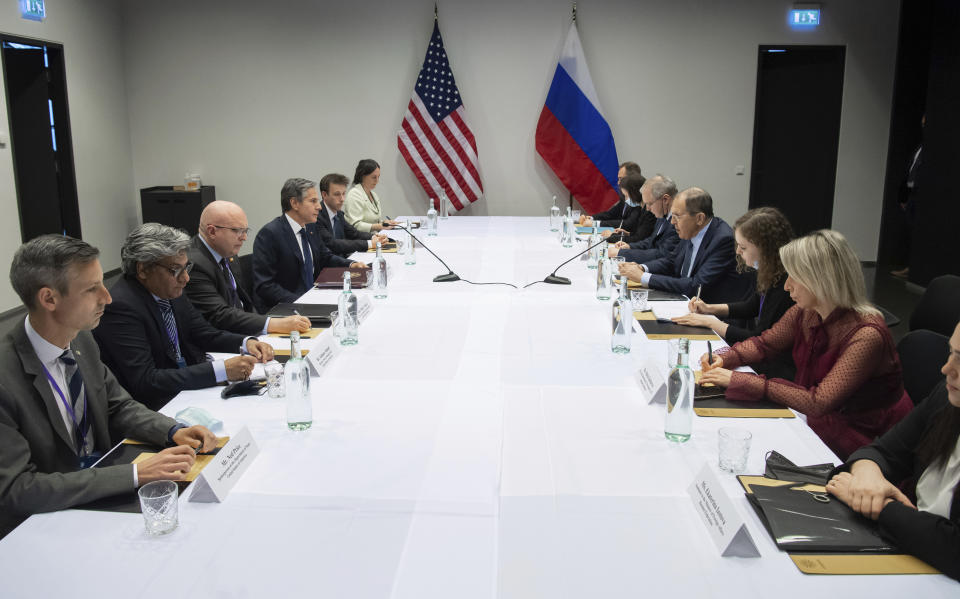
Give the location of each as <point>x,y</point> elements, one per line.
<point>704,263</point>
<point>216,286</point>
<point>657,195</point>
<point>152,337</point>
<point>287,252</point>
<point>60,407</point>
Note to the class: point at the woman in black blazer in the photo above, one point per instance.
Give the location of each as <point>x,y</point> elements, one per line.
<point>922,450</point>
<point>760,233</point>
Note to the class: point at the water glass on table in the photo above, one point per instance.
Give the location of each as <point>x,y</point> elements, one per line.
<point>639,299</point>
<point>158,502</point>
<point>274,372</point>
<point>734,445</point>
<point>335,326</point>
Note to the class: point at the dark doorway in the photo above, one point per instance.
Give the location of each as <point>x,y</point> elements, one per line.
<point>40,140</point>
<point>796,132</point>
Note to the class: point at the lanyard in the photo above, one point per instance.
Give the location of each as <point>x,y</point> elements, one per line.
<point>763,296</point>
<point>81,428</point>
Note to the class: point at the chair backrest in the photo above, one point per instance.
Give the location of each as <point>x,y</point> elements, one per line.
<point>922,354</point>
<point>246,273</point>
<point>939,308</point>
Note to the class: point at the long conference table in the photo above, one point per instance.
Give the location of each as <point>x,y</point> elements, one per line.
<point>480,441</point>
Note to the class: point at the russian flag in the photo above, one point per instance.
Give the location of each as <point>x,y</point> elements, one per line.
<point>572,135</point>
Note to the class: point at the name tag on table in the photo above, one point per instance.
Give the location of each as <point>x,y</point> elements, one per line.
<point>324,351</point>
<point>220,475</point>
<point>364,308</point>
<point>651,381</point>
<point>718,514</point>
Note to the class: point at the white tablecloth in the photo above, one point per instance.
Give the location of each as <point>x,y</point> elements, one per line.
<point>480,441</point>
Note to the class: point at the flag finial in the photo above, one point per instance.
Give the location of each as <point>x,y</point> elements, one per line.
<point>574,11</point>
<point>434,11</point>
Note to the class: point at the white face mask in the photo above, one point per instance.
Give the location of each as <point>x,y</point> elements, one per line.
<point>756,264</point>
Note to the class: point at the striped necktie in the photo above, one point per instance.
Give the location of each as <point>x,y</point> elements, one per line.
<point>307,274</point>
<point>170,324</point>
<point>75,386</point>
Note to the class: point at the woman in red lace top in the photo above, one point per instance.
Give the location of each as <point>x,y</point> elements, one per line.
<point>848,381</point>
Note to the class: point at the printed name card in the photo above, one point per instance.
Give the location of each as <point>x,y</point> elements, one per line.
<point>364,308</point>
<point>718,514</point>
<point>651,381</point>
<point>324,351</point>
<point>221,474</point>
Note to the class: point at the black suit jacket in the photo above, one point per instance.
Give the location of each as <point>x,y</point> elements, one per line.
<point>352,241</point>
<point>209,292</point>
<point>278,262</point>
<point>715,268</point>
<point>661,242</point>
<point>39,468</point>
<point>134,344</point>
<point>639,221</point>
<point>932,538</point>
<point>612,217</point>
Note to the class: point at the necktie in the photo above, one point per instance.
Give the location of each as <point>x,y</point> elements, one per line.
<point>170,324</point>
<point>75,387</point>
<point>234,297</point>
<point>307,274</point>
<point>338,226</point>
<point>687,262</point>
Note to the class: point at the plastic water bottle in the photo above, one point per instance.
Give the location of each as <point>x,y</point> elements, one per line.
<point>604,278</point>
<point>678,424</point>
<point>347,306</point>
<point>622,321</point>
<point>444,206</point>
<point>554,216</point>
<point>378,281</point>
<point>431,219</point>
<point>296,377</point>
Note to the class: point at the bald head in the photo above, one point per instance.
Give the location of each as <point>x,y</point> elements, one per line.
<point>223,225</point>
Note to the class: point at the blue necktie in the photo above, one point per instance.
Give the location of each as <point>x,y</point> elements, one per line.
<point>170,324</point>
<point>338,226</point>
<point>75,386</point>
<point>307,259</point>
<point>234,297</point>
<point>685,269</point>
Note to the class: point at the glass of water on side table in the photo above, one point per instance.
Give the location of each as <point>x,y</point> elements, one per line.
<point>158,502</point>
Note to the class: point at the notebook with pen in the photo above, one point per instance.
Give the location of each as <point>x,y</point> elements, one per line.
<point>331,277</point>
<point>319,314</point>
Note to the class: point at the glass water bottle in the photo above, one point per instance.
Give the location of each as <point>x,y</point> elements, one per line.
<point>296,377</point>
<point>555,216</point>
<point>378,281</point>
<point>622,321</point>
<point>431,219</point>
<point>678,424</point>
<point>347,306</point>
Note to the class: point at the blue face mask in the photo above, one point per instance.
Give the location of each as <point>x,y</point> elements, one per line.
<point>630,202</point>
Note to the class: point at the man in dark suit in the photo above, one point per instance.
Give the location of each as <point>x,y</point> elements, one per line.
<point>335,232</point>
<point>704,260</point>
<point>60,407</point>
<point>657,193</point>
<point>287,252</point>
<point>152,337</point>
<point>216,287</point>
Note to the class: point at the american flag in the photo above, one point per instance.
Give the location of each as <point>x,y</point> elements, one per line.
<point>434,139</point>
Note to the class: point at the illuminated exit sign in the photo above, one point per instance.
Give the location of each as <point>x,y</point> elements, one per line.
<point>33,10</point>
<point>805,17</point>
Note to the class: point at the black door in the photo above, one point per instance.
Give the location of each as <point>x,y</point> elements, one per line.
<point>40,137</point>
<point>796,131</point>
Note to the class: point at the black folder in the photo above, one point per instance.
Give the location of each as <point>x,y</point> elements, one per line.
<point>666,330</point>
<point>319,314</point>
<point>798,521</point>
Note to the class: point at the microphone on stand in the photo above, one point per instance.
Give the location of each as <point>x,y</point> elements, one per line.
<point>447,278</point>
<point>553,279</point>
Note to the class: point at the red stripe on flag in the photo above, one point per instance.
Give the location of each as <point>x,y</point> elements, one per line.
<point>466,130</point>
<point>572,165</point>
<point>424,155</point>
<point>441,153</point>
<point>458,148</point>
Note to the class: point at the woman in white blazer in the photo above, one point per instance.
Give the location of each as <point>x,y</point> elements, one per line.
<point>362,206</point>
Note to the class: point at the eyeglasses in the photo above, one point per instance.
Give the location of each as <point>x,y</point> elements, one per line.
<point>177,271</point>
<point>240,232</point>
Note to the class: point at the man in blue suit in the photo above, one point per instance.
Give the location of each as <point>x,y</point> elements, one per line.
<point>658,193</point>
<point>287,252</point>
<point>704,259</point>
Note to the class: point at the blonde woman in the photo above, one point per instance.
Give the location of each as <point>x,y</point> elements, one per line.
<point>362,206</point>
<point>848,381</point>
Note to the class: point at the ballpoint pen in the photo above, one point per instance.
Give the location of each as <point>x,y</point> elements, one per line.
<point>699,289</point>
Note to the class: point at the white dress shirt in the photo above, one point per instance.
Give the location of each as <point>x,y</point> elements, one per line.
<point>936,485</point>
<point>297,227</point>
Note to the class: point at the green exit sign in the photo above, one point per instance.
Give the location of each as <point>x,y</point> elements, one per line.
<point>33,10</point>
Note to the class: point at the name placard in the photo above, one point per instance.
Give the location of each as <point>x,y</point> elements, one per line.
<point>651,381</point>
<point>364,308</point>
<point>718,514</point>
<point>325,349</point>
<point>220,475</point>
